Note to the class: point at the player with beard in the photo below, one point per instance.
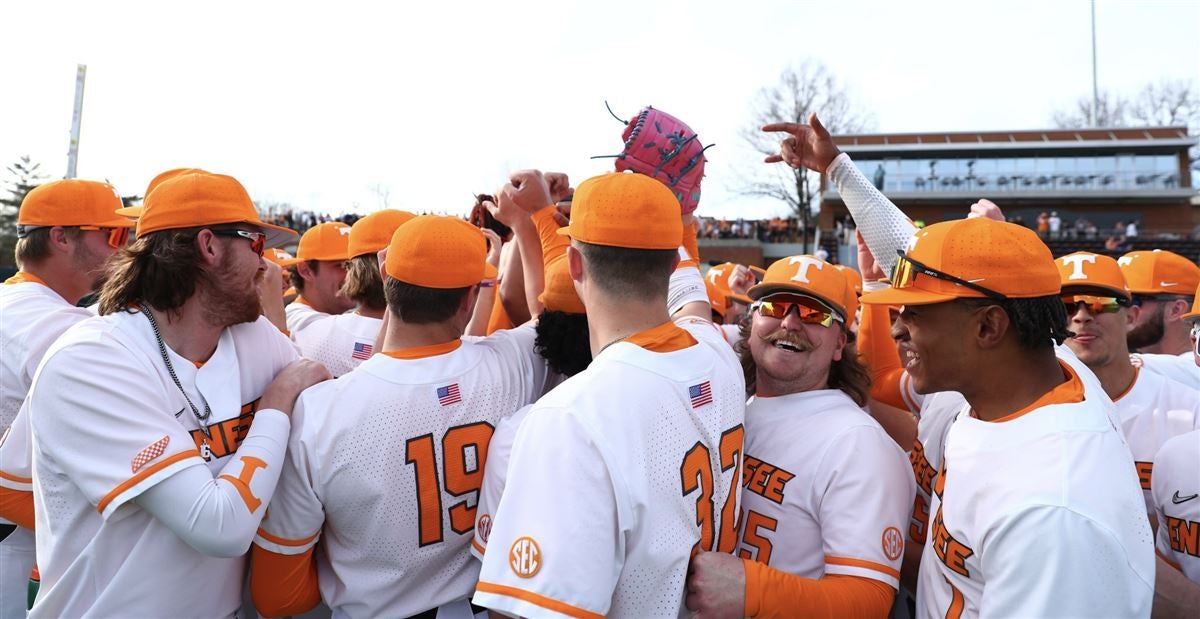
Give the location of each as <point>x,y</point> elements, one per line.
<point>1163,284</point>
<point>159,427</point>
<point>317,273</point>
<point>813,457</point>
<point>66,231</point>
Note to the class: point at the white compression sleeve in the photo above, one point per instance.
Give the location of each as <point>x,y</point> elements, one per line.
<point>884,227</point>
<point>687,286</point>
<point>220,516</point>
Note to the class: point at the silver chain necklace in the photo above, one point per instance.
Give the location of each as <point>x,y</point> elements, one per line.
<point>201,419</point>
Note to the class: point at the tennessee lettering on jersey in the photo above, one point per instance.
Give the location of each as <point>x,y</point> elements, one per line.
<point>225,437</point>
<point>765,479</point>
<point>953,553</point>
<point>1184,535</point>
<point>1176,497</point>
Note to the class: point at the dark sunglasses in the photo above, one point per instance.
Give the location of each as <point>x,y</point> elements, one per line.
<point>1094,305</point>
<point>808,310</point>
<point>258,240</point>
<point>117,237</point>
<point>905,273</point>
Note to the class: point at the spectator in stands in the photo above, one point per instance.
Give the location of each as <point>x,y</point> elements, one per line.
<point>1043,224</point>
<point>1131,230</point>
<point>1055,224</point>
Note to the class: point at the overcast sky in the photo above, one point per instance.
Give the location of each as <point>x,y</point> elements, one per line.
<point>315,103</point>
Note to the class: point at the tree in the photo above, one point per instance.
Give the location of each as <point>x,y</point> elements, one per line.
<point>1166,103</point>
<point>802,88</point>
<point>25,175</point>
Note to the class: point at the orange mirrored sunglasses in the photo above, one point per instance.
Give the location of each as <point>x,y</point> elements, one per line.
<point>117,237</point>
<point>809,310</point>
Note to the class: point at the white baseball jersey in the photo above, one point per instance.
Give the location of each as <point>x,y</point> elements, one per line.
<point>384,468</point>
<point>1020,504</point>
<point>616,475</point>
<point>1154,409</point>
<point>32,316</point>
<point>108,423</point>
<point>825,489</point>
<point>1182,368</point>
<point>732,333</point>
<point>1177,503</point>
<point>300,315</point>
<point>340,343</point>
<point>495,475</point>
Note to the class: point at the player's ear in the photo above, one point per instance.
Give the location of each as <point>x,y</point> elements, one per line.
<point>575,263</point>
<point>209,249</point>
<point>840,347</point>
<point>991,325</point>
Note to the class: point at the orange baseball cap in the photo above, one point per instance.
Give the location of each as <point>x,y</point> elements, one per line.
<point>854,288</point>
<point>373,232</point>
<point>158,180</point>
<point>1195,313</point>
<point>807,276</point>
<point>625,210</point>
<point>280,257</point>
<point>437,252</point>
<point>1159,272</point>
<point>71,202</point>
<point>717,297</point>
<point>981,254</point>
<point>327,242</point>
<point>559,293</point>
<point>198,199</point>
<point>1086,273</point>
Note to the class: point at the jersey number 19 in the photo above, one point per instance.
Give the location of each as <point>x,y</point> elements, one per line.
<point>460,476</point>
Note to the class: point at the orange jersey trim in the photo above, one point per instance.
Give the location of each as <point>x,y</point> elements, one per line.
<point>283,585</point>
<point>537,600</point>
<point>422,352</point>
<point>302,301</point>
<point>667,337</point>
<point>22,277</point>
<point>19,480</point>
<point>1067,392</point>
<point>1136,372</point>
<point>143,474</point>
<point>870,565</point>
<point>17,506</point>
<point>477,546</point>
<point>283,541</point>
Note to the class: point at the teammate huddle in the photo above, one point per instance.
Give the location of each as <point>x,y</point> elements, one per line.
<point>547,415</point>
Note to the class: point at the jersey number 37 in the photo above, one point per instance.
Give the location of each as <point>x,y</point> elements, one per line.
<point>696,476</point>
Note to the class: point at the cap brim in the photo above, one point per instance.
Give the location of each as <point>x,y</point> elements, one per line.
<point>905,296</point>
<point>1190,316</point>
<point>132,212</point>
<point>765,290</point>
<point>276,235</point>
<point>741,298</point>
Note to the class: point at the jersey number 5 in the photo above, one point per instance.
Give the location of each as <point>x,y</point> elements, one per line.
<point>461,477</point>
<point>696,474</point>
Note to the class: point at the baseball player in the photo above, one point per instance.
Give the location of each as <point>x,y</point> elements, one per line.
<point>347,339</point>
<point>394,538</point>
<point>979,298</point>
<point>317,273</point>
<point>159,427</point>
<point>1192,318</point>
<point>66,230</point>
<point>813,455</point>
<point>1163,284</point>
<point>648,439</point>
<point>1151,408</point>
<point>282,259</point>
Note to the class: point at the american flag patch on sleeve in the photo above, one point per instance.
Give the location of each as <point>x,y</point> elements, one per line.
<point>449,395</point>
<point>701,394</point>
<point>362,351</point>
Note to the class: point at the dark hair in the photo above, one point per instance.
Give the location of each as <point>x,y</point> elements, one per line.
<point>364,284</point>
<point>562,340</point>
<point>33,247</point>
<point>847,374</point>
<point>629,274</point>
<point>161,268</point>
<point>294,278</point>
<point>482,218</point>
<point>1040,322</point>
<point>420,305</point>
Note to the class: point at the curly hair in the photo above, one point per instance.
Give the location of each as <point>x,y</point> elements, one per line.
<point>363,283</point>
<point>562,340</point>
<point>1040,322</point>
<point>161,268</point>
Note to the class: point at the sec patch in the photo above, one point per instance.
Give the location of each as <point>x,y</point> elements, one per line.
<point>893,543</point>
<point>525,557</point>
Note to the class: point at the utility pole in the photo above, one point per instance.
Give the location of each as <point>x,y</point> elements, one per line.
<point>76,120</point>
<point>1095,90</point>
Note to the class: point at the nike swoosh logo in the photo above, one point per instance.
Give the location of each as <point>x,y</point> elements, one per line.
<point>180,412</point>
<point>1168,284</point>
<point>1182,499</point>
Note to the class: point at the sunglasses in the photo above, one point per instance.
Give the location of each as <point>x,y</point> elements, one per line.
<point>1138,299</point>
<point>117,237</point>
<point>258,240</point>
<point>778,307</point>
<point>905,273</point>
<point>1094,305</point>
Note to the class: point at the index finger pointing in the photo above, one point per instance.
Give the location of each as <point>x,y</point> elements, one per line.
<point>789,127</point>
